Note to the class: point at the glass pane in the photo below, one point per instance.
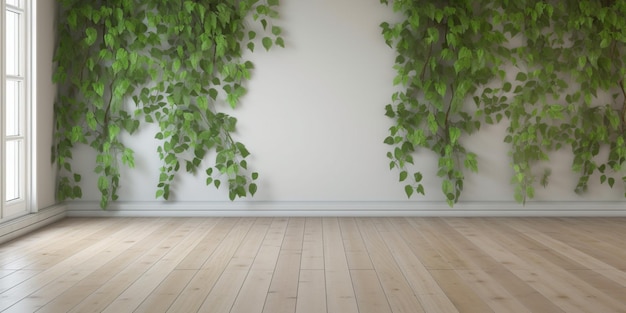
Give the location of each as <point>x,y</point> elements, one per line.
<point>14,2</point>
<point>13,43</point>
<point>12,118</point>
<point>13,178</point>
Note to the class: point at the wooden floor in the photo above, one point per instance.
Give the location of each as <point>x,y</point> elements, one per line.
<point>303,265</point>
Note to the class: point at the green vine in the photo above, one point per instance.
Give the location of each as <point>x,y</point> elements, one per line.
<point>599,32</point>
<point>445,53</point>
<point>560,57</point>
<point>171,63</point>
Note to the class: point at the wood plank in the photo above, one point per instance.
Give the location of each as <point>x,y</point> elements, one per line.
<point>74,265</point>
<point>369,293</point>
<point>46,240</point>
<point>108,292</point>
<point>45,256</point>
<point>398,290</point>
<point>139,245</point>
<point>253,293</point>
<point>223,295</point>
<point>597,244</point>
<point>420,245</point>
<point>164,295</point>
<point>340,296</point>
<point>311,292</point>
<point>313,245</point>
<point>190,235</point>
<point>283,291</point>
<point>255,289</point>
<point>426,289</point>
<point>599,281</point>
<point>489,236</point>
<point>556,283</point>
<point>195,293</point>
<point>460,252</point>
<point>462,294</point>
<point>356,252</point>
<point>203,251</point>
<point>585,260</point>
<point>15,278</point>
<point>489,288</point>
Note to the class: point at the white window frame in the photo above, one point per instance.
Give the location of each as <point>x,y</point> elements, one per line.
<point>22,205</point>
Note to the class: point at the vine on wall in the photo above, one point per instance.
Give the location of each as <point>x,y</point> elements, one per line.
<point>165,62</point>
<point>560,58</point>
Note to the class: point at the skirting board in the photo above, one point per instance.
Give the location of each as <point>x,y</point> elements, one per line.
<point>392,208</point>
<point>30,222</point>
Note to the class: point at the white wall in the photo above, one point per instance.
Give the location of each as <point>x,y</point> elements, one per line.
<point>314,122</point>
<point>44,103</point>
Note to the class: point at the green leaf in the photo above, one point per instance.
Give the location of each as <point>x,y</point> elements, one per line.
<point>420,189</point>
<point>267,43</point>
<point>432,123</point>
<point>611,181</point>
<point>213,93</point>
<point>103,183</point>
<point>77,192</point>
<point>441,88</point>
<point>92,35</point>
<point>280,42</point>
<point>408,189</point>
<point>114,130</point>
<point>276,30</point>
<point>252,188</point>
<point>176,64</point>
<point>403,176</point>
<point>242,149</point>
<point>98,87</point>
<point>507,87</point>
<point>418,177</point>
<point>128,157</point>
<point>455,133</point>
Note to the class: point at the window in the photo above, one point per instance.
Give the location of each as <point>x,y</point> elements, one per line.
<point>14,130</point>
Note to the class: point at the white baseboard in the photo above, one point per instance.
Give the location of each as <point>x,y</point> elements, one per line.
<point>391,208</point>
<point>30,222</point>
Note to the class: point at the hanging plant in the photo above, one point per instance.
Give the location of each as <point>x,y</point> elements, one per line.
<point>167,62</point>
<point>560,58</point>
<point>448,51</point>
<point>598,33</point>
<point>573,52</point>
<point>532,101</point>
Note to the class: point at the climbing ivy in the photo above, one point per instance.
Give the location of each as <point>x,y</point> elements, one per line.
<point>530,98</point>
<point>598,41</point>
<point>171,63</point>
<point>543,67</point>
<point>447,50</point>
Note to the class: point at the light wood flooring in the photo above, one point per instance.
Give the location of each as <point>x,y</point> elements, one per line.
<point>315,264</point>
